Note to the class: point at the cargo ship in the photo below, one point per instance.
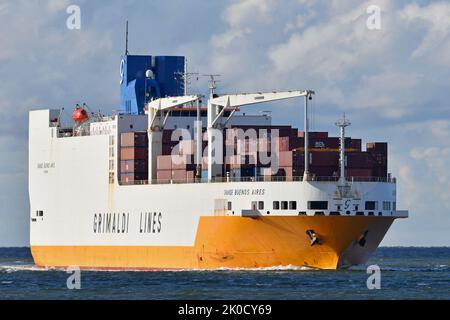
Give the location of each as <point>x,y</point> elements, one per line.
<point>181,181</point>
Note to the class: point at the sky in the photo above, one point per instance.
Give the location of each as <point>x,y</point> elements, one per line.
<point>392,82</point>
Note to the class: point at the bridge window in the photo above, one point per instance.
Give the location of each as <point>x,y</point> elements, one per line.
<point>276,205</point>
<point>318,205</point>
<point>230,205</point>
<point>386,205</point>
<point>394,206</point>
<point>284,205</point>
<point>261,205</point>
<point>371,205</point>
<point>292,205</point>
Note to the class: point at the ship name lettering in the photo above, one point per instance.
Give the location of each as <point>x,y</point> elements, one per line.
<point>150,222</point>
<point>242,192</point>
<point>245,192</point>
<point>111,222</point>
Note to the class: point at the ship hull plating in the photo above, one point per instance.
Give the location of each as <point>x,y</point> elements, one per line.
<point>237,242</point>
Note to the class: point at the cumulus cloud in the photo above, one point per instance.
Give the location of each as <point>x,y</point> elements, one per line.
<point>242,12</point>
<point>434,18</point>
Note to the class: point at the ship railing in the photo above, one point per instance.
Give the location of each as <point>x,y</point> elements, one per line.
<point>260,179</point>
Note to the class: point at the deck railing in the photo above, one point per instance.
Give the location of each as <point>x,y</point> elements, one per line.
<point>261,179</point>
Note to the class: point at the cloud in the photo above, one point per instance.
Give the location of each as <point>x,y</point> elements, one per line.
<point>240,13</point>
<point>436,40</point>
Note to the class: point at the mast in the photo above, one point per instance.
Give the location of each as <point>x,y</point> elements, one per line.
<point>198,144</point>
<point>308,96</point>
<point>342,124</point>
<point>126,41</point>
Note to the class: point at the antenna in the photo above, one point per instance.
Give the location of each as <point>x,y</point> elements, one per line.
<point>126,41</point>
<point>212,83</point>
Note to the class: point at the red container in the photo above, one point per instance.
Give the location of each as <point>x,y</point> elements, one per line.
<point>282,143</point>
<point>288,173</point>
<point>128,166</point>
<point>130,178</point>
<point>377,147</point>
<point>186,147</point>
<point>355,144</point>
<point>167,136</point>
<point>134,139</point>
<point>285,158</point>
<point>333,143</point>
<point>324,171</point>
<point>130,153</point>
<point>167,149</point>
<point>325,159</point>
<point>359,173</point>
<point>313,135</point>
<point>179,175</point>
<point>182,162</point>
<point>359,160</point>
<point>164,163</point>
<point>190,175</point>
<point>164,176</point>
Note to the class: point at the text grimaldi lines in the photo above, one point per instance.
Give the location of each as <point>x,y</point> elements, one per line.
<point>117,223</point>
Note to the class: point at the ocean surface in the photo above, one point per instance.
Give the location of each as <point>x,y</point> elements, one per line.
<point>406,273</point>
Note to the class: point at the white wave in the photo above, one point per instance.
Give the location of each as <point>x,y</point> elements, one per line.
<point>274,268</point>
<point>17,268</point>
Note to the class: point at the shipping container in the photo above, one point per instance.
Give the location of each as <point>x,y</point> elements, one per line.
<point>134,139</point>
<point>359,160</point>
<point>285,159</point>
<point>324,159</point>
<point>186,147</point>
<point>190,176</point>
<point>358,173</point>
<point>130,153</point>
<point>179,175</point>
<point>282,143</point>
<point>313,135</point>
<point>130,178</point>
<point>377,147</point>
<point>164,163</point>
<point>164,176</point>
<point>248,172</point>
<point>355,144</point>
<point>183,162</point>
<point>128,166</point>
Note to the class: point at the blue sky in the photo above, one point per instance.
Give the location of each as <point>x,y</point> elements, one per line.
<point>393,83</point>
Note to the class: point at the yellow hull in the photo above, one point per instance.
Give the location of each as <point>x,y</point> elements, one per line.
<point>238,242</point>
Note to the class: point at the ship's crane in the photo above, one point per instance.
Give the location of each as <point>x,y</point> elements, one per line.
<point>156,124</point>
<point>217,106</point>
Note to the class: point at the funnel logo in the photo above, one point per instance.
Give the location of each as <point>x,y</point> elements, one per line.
<point>122,70</point>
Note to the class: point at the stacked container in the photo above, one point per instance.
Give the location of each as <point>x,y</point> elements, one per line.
<point>133,157</point>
